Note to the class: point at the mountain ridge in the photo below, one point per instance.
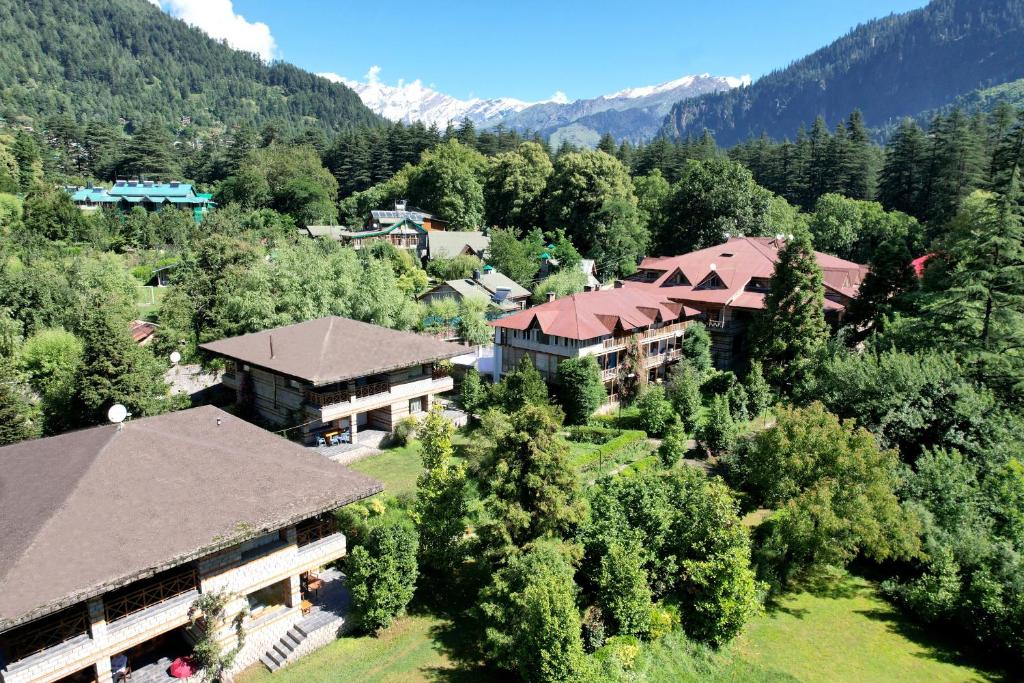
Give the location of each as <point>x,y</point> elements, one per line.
<point>896,66</point>
<point>641,109</point>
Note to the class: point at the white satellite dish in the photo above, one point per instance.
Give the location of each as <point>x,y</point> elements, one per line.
<point>117,413</point>
<point>175,357</point>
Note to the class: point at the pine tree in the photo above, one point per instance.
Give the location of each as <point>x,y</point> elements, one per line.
<point>19,416</point>
<point>150,152</point>
<point>441,504</point>
<point>859,164</point>
<point>977,305</point>
<point>607,144</point>
<point>791,329</point>
<point>957,166</point>
<point>759,394</point>
<point>901,185</point>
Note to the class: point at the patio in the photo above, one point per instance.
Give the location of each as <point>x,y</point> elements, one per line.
<point>368,442</point>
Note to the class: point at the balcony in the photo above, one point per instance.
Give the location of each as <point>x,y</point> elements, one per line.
<point>49,632</point>
<point>340,404</point>
<point>175,590</point>
<point>609,374</point>
<point>321,399</point>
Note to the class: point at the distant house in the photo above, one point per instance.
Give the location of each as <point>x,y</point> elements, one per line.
<point>503,293</point>
<point>381,219</point>
<point>602,324</point>
<point>334,376</point>
<point>446,245</point>
<point>728,284</point>
<point>151,196</point>
<point>110,534</point>
<point>403,235</point>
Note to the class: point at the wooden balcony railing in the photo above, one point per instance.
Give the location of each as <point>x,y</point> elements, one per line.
<point>125,605</point>
<point>326,398</point>
<point>372,389</point>
<point>647,334</point>
<point>48,632</point>
<point>312,530</point>
<point>440,373</point>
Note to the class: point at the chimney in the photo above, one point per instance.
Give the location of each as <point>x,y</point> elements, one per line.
<point>477,275</point>
<point>551,296</point>
<point>400,205</point>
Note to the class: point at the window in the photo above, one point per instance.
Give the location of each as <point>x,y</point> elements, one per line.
<point>416,405</point>
<point>268,599</point>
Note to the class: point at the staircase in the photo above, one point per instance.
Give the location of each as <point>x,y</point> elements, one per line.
<point>278,656</point>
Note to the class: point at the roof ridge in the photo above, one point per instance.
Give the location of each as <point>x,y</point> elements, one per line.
<point>324,343</point>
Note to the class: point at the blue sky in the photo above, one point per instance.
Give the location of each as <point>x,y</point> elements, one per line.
<point>531,49</point>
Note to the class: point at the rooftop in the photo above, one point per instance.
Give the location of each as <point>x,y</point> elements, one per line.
<point>454,243</point>
<point>333,349</point>
<point>89,511</point>
<point>588,315</point>
<point>134,191</point>
<point>721,273</point>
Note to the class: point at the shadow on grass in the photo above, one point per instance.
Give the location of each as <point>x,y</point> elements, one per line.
<point>939,647</point>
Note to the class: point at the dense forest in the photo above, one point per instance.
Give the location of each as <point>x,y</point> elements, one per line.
<point>888,68</point>
<point>125,60</point>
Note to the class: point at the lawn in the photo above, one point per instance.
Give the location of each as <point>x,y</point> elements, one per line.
<point>397,468</point>
<point>405,652</point>
<point>841,630</point>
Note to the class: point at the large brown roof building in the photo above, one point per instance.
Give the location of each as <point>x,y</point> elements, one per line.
<point>107,536</point>
<point>333,376</point>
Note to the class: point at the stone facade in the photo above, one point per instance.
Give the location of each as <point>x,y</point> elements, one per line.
<point>241,570</point>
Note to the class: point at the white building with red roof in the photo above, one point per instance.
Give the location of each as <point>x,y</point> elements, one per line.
<point>724,285</point>
<point>595,323</point>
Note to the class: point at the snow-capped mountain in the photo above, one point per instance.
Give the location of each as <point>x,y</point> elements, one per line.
<point>633,113</point>
<point>408,102</point>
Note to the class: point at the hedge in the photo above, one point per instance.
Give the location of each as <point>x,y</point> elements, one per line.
<point>612,449</point>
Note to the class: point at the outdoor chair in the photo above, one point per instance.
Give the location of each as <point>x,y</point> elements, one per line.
<point>320,441</point>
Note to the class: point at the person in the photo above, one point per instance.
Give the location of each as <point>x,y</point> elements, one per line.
<point>119,667</point>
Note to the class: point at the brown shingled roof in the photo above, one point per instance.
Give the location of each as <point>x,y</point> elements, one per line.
<point>333,349</point>
<point>88,511</point>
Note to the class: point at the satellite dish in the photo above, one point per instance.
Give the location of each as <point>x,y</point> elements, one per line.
<point>117,413</point>
<point>175,357</point>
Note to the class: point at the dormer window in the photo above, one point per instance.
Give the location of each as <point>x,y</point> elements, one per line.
<point>712,281</point>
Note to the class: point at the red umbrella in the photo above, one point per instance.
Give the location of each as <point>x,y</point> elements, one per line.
<point>182,667</point>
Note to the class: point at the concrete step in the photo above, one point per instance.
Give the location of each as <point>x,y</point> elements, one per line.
<point>282,651</point>
<point>293,638</point>
<point>269,663</point>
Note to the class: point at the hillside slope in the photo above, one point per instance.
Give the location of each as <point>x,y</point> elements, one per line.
<point>110,59</point>
<point>888,68</point>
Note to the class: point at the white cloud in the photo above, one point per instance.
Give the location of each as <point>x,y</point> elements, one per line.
<point>559,97</point>
<point>373,75</point>
<point>217,18</point>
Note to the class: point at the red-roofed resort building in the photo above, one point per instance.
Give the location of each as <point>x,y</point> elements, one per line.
<point>724,286</point>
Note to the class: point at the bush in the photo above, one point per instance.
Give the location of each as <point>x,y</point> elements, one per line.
<point>719,383</point>
<point>591,434</point>
<point>405,431</point>
<point>718,434</point>
<point>662,621</point>
<point>623,590</point>
<point>683,390</point>
<point>382,575</point>
<point>656,412</point>
<point>580,388</point>
<point>593,628</point>
<point>673,446</point>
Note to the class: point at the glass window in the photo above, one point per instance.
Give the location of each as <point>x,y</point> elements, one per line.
<point>415,405</point>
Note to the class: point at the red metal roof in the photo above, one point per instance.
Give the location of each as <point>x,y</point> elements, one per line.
<point>594,314</point>
<point>736,262</point>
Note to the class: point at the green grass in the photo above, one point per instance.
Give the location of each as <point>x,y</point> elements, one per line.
<point>404,652</point>
<point>840,629</point>
<point>148,300</point>
<point>397,468</point>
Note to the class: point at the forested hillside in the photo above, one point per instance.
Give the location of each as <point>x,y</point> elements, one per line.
<point>897,66</point>
<point>125,59</point>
